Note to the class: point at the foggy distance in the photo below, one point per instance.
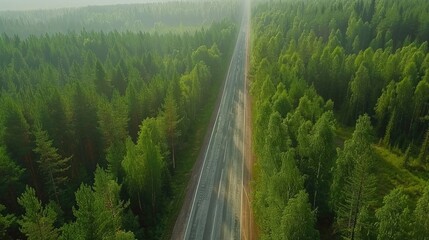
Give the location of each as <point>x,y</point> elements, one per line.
<point>16,5</point>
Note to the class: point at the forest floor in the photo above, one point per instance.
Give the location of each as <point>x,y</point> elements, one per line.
<point>391,173</point>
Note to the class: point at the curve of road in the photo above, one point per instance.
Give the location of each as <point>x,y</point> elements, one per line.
<point>217,197</point>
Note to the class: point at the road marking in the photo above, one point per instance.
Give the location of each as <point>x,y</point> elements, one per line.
<point>218,194</point>
<point>211,136</point>
<point>224,157</point>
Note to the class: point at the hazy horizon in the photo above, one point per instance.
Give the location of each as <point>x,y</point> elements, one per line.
<point>19,5</point>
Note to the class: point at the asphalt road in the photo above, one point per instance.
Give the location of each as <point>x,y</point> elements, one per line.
<point>217,197</point>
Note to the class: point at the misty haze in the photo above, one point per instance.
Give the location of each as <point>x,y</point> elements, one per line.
<point>52,4</point>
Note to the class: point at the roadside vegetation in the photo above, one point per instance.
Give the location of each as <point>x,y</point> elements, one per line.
<point>341,113</point>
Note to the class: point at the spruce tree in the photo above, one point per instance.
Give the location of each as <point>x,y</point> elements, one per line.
<point>37,223</point>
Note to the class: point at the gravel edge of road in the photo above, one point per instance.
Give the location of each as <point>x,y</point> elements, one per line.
<point>248,223</point>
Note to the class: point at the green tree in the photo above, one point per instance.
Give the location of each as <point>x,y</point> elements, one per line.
<point>171,120</point>
<point>85,225</point>
<point>360,90</point>
<point>133,167</point>
<point>87,135</point>
<point>394,217</point>
<point>101,82</point>
<point>421,221</point>
<point>52,165</point>
<point>298,220</point>
<point>108,205</point>
<point>53,118</point>
<point>322,154</point>
<point>424,148</point>
<point>99,213</point>
<point>10,176</point>
<point>143,165</point>
<point>365,224</point>
<point>353,186</point>
<point>6,220</point>
<point>17,136</point>
<point>113,123</point>
<point>37,223</point>
<point>150,151</point>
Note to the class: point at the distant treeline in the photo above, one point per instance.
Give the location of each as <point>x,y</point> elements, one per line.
<point>150,17</point>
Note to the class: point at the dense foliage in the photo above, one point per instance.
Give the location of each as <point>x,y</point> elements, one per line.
<point>318,65</point>
<point>91,121</point>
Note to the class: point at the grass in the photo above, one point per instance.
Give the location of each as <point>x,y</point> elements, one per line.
<point>391,173</point>
<point>341,135</point>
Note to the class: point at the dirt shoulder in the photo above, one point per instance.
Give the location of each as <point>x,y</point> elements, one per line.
<point>248,226</point>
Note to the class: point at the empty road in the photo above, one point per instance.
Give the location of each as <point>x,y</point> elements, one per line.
<point>217,196</point>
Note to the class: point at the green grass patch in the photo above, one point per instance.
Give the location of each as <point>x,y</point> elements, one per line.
<point>342,134</point>
<point>391,173</point>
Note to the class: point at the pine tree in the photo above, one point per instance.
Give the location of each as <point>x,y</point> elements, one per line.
<point>6,220</point>
<point>358,192</point>
<point>85,226</point>
<point>51,164</point>
<point>353,186</point>
<point>99,212</point>
<point>37,223</point>
<point>10,176</point>
<point>101,82</point>
<point>107,204</point>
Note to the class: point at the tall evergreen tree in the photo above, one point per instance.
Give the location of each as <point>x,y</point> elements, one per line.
<point>353,187</point>
<point>99,213</point>
<point>6,220</point>
<point>10,176</point>
<point>52,165</point>
<point>37,223</point>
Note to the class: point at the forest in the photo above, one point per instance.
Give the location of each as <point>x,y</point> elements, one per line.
<point>340,95</point>
<point>97,127</point>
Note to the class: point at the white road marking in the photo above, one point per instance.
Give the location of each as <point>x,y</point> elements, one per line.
<point>218,194</point>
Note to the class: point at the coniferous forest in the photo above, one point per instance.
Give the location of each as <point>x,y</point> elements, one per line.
<point>103,112</point>
<point>341,109</point>
<point>95,122</point>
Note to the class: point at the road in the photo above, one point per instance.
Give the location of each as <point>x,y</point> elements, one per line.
<point>217,197</point>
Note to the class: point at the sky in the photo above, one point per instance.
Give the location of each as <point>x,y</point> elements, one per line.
<point>50,4</point>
